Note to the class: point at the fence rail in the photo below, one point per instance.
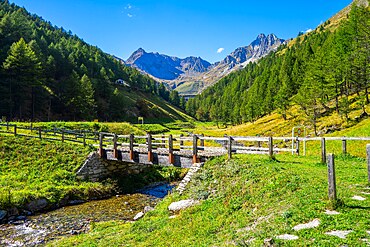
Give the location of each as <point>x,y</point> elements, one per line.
<point>199,145</point>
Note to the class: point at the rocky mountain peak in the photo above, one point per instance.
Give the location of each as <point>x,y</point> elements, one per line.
<point>166,67</point>
<point>260,47</point>
<point>260,38</point>
<point>177,71</point>
<point>135,55</point>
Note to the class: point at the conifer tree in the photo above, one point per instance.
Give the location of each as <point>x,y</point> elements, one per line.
<point>24,70</point>
<point>87,100</point>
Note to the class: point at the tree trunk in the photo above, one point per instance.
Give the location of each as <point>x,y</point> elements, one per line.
<point>49,109</point>
<point>336,99</point>
<point>10,101</point>
<point>33,103</point>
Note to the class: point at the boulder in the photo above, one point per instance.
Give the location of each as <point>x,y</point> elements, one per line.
<point>287,237</point>
<point>329,212</point>
<point>3,214</point>
<point>177,206</point>
<point>339,234</point>
<point>147,209</point>
<point>75,202</point>
<point>139,216</point>
<point>311,224</point>
<point>358,198</point>
<point>37,205</point>
<point>268,242</point>
<point>13,211</point>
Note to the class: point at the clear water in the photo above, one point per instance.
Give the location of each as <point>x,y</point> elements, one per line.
<point>40,229</point>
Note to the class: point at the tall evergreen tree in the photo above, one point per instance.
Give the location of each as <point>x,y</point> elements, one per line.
<point>24,70</point>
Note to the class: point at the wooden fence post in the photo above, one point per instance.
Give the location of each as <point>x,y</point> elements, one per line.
<point>202,141</point>
<point>323,151</point>
<point>229,147</point>
<point>15,130</point>
<point>115,151</point>
<point>7,126</point>
<point>331,178</point>
<point>195,149</point>
<point>132,146</point>
<point>150,151</point>
<point>101,149</point>
<point>271,148</point>
<point>181,141</point>
<point>297,145</point>
<point>344,146</point>
<point>170,150</point>
<point>258,142</point>
<point>40,134</point>
<point>368,161</point>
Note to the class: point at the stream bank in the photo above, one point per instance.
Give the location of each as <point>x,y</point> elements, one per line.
<point>71,220</point>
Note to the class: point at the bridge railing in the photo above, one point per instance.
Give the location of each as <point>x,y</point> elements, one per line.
<point>196,146</point>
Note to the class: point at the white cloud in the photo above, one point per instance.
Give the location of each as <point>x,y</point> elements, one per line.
<point>219,50</point>
<point>128,6</point>
<point>130,15</point>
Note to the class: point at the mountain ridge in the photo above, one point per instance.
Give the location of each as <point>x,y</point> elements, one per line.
<point>164,67</point>
<point>192,75</point>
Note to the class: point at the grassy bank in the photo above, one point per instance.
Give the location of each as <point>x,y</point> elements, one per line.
<point>33,169</point>
<point>249,199</point>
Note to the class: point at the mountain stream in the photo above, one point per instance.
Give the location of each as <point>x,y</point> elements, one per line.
<point>71,220</point>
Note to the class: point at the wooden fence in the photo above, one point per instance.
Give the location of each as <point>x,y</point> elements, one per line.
<point>82,137</point>
<point>197,145</point>
<point>332,190</point>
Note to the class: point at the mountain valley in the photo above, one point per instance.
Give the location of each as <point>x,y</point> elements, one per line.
<point>191,75</point>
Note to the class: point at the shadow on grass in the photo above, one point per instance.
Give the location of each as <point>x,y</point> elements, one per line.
<point>357,207</point>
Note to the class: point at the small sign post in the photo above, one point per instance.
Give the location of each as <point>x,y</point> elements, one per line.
<point>299,131</point>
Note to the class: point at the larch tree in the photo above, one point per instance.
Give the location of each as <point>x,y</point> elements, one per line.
<point>24,70</point>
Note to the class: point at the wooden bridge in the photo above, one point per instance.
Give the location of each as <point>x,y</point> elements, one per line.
<point>176,150</point>
<point>182,151</point>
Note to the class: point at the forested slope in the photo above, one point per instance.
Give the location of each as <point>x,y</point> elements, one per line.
<point>47,73</point>
<point>326,64</point>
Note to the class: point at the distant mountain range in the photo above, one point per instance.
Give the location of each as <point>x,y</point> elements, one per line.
<point>192,75</point>
<point>165,67</point>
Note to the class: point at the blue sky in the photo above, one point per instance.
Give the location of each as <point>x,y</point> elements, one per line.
<point>181,27</point>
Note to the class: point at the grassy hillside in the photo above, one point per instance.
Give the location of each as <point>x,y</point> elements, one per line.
<point>68,79</point>
<point>189,87</point>
<point>246,200</point>
<point>274,125</point>
<point>312,72</point>
<point>155,108</point>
